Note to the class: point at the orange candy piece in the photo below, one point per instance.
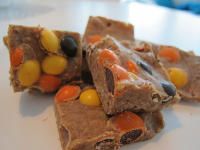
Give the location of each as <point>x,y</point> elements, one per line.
<point>139,49</point>
<point>16,57</point>
<point>93,39</point>
<point>132,67</point>
<point>170,53</point>
<point>128,121</point>
<point>49,83</point>
<point>119,72</point>
<point>67,93</point>
<point>108,56</point>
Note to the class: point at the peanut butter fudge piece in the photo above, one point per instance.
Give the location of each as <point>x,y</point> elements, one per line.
<point>82,123</point>
<point>184,70</point>
<point>182,66</point>
<point>99,27</point>
<point>42,59</point>
<point>127,80</point>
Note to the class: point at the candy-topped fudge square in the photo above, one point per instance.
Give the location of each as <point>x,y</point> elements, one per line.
<point>98,27</point>
<point>82,123</point>
<point>183,68</point>
<point>127,80</point>
<point>42,59</point>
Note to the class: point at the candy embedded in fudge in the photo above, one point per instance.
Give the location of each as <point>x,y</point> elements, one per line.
<point>82,123</point>
<point>42,59</point>
<point>184,70</point>
<point>126,80</point>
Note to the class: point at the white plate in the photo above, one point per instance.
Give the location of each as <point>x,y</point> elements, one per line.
<point>28,121</point>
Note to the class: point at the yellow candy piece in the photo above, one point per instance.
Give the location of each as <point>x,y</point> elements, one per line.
<point>29,73</point>
<point>178,77</point>
<point>90,97</point>
<point>54,65</point>
<point>50,41</point>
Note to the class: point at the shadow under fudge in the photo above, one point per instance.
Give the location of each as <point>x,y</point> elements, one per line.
<point>33,104</point>
<point>195,104</point>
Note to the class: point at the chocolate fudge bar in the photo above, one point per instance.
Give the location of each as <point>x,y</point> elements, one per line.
<point>87,127</point>
<point>42,59</point>
<point>184,70</point>
<point>127,80</point>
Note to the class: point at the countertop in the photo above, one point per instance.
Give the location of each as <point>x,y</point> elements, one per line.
<point>28,121</point>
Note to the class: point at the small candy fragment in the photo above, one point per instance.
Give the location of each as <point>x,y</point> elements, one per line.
<point>119,72</point>
<point>140,49</point>
<point>143,47</point>
<point>178,76</point>
<point>145,67</point>
<point>67,93</point>
<point>132,66</point>
<point>128,121</point>
<point>90,97</point>
<point>168,88</point>
<point>106,144</point>
<point>49,41</point>
<point>49,83</point>
<point>133,76</point>
<point>109,80</point>
<point>69,46</point>
<point>29,73</point>
<point>93,39</point>
<point>16,57</point>
<point>131,136</point>
<point>170,53</point>
<point>54,65</point>
<point>108,56</point>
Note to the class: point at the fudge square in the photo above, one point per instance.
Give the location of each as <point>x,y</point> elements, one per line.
<point>42,59</point>
<point>82,123</point>
<point>183,68</point>
<point>126,80</point>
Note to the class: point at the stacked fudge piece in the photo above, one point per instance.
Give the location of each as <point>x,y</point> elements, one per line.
<point>122,75</point>
<point>111,87</point>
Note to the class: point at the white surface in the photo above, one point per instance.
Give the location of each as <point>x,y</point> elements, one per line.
<point>28,122</point>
